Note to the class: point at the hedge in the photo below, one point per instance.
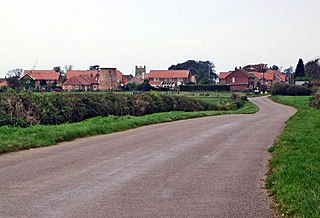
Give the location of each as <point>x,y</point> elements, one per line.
<point>292,90</point>
<point>24,109</point>
<point>215,88</point>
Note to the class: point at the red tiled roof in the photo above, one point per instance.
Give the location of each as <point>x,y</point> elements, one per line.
<point>168,74</point>
<point>126,78</point>
<point>76,73</point>
<point>135,80</point>
<point>223,75</point>
<point>3,83</point>
<point>281,76</point>
<point>83,80</point>
<point>91,73</point>
<point>266,76</point>
<point>42,74</point>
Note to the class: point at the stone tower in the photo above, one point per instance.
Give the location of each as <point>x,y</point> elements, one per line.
<point>140,72</point>
<point>108,79</point>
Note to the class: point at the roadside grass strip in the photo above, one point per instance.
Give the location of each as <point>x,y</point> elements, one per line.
<point>16,138</point>
<point>294,178</point>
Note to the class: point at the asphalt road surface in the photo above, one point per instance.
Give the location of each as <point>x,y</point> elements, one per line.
<point>207,167</point>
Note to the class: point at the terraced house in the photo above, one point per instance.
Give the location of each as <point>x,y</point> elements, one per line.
<point>168,78</point>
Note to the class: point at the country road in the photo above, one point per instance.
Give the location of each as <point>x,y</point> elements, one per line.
<point>206,167</point>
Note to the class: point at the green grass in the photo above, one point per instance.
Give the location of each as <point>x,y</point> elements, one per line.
<point>15,138</point>
<point>294,178</point>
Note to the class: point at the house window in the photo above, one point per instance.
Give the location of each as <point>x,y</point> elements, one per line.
<point>233,80</point>
<point>156,79</point>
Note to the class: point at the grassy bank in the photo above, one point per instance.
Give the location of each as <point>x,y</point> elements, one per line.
<point>295,167</point>
<point>16,138</point>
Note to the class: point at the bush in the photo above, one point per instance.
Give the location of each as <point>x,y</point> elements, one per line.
<point>292,90</point>
<point>205,87</point>
<point>279,89</point>
<point>298,91</point>
<point>25,109</point>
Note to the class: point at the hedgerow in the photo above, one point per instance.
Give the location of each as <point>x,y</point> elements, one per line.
<point>24,109</point>
<point>291,90</point>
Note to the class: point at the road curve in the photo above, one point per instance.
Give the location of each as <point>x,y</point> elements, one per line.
<point>207,167</point>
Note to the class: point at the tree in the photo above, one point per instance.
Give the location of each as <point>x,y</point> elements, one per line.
<point>94,67</point>
<point>288,71</point>
<point>63,74</point>
<point>13,78</point>
<point>274,67</point>
<point>300,70</point>
<point>57,69</point>
<point>203,70</point>
<point>290,74</point>
<point>130,87</point>
<point>313,69</point>
<point>145,86</point>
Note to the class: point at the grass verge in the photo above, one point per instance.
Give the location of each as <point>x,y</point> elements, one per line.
<point>16,138</point>
<point>294,178</point>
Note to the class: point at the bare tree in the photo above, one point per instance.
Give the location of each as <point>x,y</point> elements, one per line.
<point>68,67</point>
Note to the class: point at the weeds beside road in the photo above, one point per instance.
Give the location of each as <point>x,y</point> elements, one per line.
<point>295,167</point>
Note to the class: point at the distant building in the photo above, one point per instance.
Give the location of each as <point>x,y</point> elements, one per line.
<point>41,78</point>
<point>106,79</point>
<point>241,79</point>
<point>168,78</point>
<point>81,83</point>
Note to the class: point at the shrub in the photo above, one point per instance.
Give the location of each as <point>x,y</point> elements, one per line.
<point>298,91</point>
<point>292,90</point>
<point>279,89</point>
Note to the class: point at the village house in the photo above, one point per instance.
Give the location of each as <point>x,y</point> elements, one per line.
<point>103,79</point>
<point>41,79</point>
<point>238,80</point>
<point>81,83</point>
<point>241,79</point>
<point>168,78</point>
<point>270,77</point>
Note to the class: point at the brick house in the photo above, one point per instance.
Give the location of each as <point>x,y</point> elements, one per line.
<point>222,77</point>
<point>168,78</point>
<point>42,78</point>
<point>270,77</point>
<point>107,79</point>
<point>238,80</point>
<point>81,83</point>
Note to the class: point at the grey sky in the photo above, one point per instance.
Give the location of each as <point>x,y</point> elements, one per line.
<point>125,33</point>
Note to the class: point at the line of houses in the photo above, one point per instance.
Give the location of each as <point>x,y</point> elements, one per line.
<point>104,79</point>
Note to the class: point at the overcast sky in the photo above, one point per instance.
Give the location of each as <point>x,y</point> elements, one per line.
<point>156,33</point>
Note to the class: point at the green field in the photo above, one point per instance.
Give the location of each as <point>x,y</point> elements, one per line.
<point>294,179</point>
<point>15,138</point>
